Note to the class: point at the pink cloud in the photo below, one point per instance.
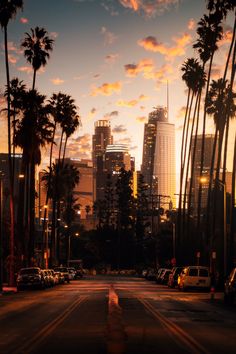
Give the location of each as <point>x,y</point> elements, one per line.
<point>24,20</point>
<point>109,37</point>
<point>57,81</point>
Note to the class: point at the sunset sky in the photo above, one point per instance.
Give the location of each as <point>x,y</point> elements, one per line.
<point>114,57</point>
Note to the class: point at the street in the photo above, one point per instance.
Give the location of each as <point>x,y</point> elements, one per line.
<point>103,314</point>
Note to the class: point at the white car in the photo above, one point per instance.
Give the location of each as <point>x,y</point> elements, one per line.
<point>194,277</point>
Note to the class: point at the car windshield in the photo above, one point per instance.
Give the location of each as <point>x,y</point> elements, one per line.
<point>203,273</point>
<point>193,272</point>
<point>29,271</point>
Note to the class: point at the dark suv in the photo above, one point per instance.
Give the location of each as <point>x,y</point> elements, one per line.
<point>230,287</point>
<point>31,278</point>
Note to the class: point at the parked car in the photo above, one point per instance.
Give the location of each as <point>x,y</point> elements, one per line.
<point>72,273</point>
<point>164,276</point>
<point>173,277</point>
<point>47,278</point>
<point>79,273</point>
<point>64,271</point>
<point>194,277</point>
<point>159,274</point>
<point>151,274</point>
<point>60,276</point>
<point>31,277</point>
<point>230,287</point>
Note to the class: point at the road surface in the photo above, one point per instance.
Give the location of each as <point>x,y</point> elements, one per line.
<point>102,314</point>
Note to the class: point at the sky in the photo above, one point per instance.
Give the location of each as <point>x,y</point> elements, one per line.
<point>114,57</point>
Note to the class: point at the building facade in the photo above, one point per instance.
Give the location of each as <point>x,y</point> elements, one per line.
<point>158,165</point>
<point>101,138</point>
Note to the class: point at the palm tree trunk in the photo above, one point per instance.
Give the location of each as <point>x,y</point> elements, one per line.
<point>60,147</point>
<point>232,244</point>
<point>179,220</point>
<point>34,80</point>
<point>198,104</point>
<point>32,212</point>
<point>183,172</point>
<point>228,113</point>
<point>49,183</point>
<point>12,216</point>
<point>203,145</point>
<point>64,152</point>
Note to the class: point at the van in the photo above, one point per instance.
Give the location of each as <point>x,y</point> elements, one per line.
<point>194,277</point>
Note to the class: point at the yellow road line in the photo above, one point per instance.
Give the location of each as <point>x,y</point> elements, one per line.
<point>179,333</point>
<point>48,329</point>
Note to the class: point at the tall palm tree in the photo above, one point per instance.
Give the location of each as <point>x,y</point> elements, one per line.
<point>69,131</point>
<point>8,10</point>
<point>193,75</point>
<point>220,100</point>
<point>60,183</point>
<point>16,90</point>
<point>37,47</point>
<point>210,31</point>
<point>33,132</point>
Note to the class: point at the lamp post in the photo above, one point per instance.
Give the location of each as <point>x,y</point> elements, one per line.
<point>46,237</point>
<point>69,246</point>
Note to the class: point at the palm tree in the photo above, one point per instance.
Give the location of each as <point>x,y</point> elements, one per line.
<point>69,131</point>
<point>8,10</point>
<point>210,32</point>
<point>33,132</point>
<point>194,77</point>
<point>60,183</point>
<point>16,91</point>
<point>37,47</point>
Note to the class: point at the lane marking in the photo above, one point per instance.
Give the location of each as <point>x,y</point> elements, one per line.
<point>179,333</point>
<point>48,329</point>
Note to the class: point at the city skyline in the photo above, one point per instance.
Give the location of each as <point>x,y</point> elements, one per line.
<point>116,65</point>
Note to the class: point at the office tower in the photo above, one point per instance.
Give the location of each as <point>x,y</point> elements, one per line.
<point>116,157</point>
<point>101,138</point>
<point>158,166</point>
<point>208,150</point>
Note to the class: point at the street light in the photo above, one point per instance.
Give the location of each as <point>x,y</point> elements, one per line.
<point>46,237</point>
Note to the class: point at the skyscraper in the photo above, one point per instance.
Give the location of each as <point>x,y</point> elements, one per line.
<point>101,138</point>
<point>208,150</point>
<point>158,166</point>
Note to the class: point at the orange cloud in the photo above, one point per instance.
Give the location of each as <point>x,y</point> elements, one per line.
<point>132,103</point>
<point>12,59</point>
<point>57,81</point>
<point>150,43</point>
<point>107,89</point>
<point>24,20</point>
<point>191,24</point>
<point>25,69</point>
<point>141,119</point>
<point>227,37</point>
<point>161,74</point>
<point>149,8</point>
<point>144,66</point>
<point>123,103</point>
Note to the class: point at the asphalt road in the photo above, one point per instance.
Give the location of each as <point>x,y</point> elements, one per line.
<point>100,315</point>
